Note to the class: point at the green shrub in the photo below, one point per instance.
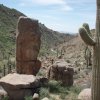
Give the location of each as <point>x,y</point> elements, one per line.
<point>75,89</point>
<point>44,92</point>
<point>64,92</point>
<point>28,98</point>
<point>41,73</point>
<point>5,98</point>
<point>56,87</point>
<point>62,96</point>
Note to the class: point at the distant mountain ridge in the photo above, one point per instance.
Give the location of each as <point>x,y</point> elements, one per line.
<point>8,21</point>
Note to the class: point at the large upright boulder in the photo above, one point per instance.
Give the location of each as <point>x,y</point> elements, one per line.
<point>61,71</point>
<point>27,46</point>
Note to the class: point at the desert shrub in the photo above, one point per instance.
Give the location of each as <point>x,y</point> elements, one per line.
<point>75,89</point>
<point>44,92</point>
<point>28,98</point>
<point>41,73</point>
<point>73,93</point>
<point>5,98</point>
<point>54,86</point>
<point>62,96</point>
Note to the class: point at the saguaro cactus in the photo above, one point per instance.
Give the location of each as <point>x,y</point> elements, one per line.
<point>84,33</point>
<point>87,56</point>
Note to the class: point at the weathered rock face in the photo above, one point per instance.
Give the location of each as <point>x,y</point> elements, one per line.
<point>85,94</point>
<point>27,46</point>
<point>61,71</point>
<point>31,67</point>
<point>19,85</point>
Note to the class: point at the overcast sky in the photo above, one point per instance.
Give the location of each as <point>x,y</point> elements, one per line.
<point>59,15</point>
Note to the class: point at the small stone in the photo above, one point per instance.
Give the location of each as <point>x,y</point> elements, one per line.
<point>85,94</point>
<point>3,94</point>
<point>36,96</point>
<point>45,98</point>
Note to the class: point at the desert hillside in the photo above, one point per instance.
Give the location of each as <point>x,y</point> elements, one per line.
<point>8,22</point>
<point>63,71</point>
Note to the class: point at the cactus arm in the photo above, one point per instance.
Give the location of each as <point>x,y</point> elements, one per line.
<point>85,37</point>
<point>86,26</point>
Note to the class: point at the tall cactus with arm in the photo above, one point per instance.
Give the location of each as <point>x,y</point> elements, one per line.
<point>84,33</point>
<point>87,56</point>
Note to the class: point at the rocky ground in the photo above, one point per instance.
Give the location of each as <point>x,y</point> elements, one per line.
<point>73,55</point>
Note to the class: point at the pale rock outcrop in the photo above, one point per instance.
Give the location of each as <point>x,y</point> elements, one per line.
<point>19,86</point>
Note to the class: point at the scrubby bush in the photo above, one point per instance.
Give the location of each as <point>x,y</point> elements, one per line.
<point>28,98</point>
<point>44,92</point>
<point>63,92</point>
